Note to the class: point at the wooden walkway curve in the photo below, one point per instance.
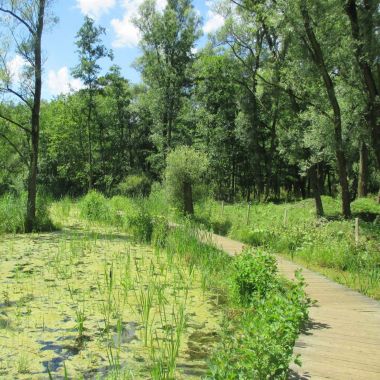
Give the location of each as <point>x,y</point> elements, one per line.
<point>342,339</point>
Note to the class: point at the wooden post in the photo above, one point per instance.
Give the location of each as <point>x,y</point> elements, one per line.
<point>285,217</point>
<point>222,208</point>
<point>248,212</point>
<point>356,231</point>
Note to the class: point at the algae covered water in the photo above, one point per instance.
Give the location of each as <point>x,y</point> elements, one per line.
<point>94,305</point>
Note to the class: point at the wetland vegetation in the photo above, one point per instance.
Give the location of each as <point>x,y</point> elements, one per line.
<point>93,301</point>
<point>267,130</point>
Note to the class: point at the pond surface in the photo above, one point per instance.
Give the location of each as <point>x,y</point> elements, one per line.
<point>95,305</point>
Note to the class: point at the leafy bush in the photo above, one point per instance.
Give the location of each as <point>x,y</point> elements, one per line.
<point>140,224</point>
<point>94,207</point>
<point>254,275</point>
<point>259,344</point>
<point>135,185</point>
<point>220,225</point>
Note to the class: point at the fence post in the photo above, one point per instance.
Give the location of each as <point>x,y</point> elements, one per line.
<point>356,231</point>
<point>248,212</point>
<point>222,208</point>
<point>285,217</point>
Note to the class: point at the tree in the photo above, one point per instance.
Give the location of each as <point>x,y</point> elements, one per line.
<point>90,51</point>
<point>318,58</point>
<point>168,38</point>
<point>28,17</point>
<point>364,21</point>
<point>184,175</point>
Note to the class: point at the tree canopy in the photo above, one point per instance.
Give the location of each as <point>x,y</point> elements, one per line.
<point>283,99</point>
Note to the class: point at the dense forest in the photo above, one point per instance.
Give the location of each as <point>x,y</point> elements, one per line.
<point>284,99</point>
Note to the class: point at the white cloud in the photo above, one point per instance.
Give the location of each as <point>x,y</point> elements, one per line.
<point>126,32</point>
<point>15,68</point>
<point>214,21</point>
<point>95,8</point>
<point>60,82</point>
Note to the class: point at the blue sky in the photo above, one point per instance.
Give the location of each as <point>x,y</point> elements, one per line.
<point>115,16</point>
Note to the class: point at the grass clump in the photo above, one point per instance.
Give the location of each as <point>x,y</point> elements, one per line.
<point>13,213</point>
<point>160,232</point>
<point>140,224</point>
<point>94,207</point>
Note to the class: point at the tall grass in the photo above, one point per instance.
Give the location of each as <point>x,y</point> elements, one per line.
<point>325,244</point>
<point>13,212</point>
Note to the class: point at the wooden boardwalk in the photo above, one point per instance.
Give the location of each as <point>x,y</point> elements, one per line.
<point>342,339</point>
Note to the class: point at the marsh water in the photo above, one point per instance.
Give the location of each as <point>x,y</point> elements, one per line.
<point>89,303</point>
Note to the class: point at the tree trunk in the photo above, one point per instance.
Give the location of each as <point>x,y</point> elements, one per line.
<point>363,170</point>
<point>315,183</point>
<point>89,141</point>
<point>317,56</point>
<point>329,184</point>
<point>188,198</point>
<point>373,107</point>
<point>30,220</point>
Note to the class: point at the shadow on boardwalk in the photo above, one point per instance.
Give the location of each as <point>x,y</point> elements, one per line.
<point>310,325</point>
<point>296,376</point>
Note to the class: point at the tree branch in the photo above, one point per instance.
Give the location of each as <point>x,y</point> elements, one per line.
<point>23,158</point>
<point>32,32</point>
<point>8,89</point>
<point>27,130</point>
<point>297,97</point>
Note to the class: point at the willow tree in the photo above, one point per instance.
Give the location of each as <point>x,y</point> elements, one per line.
<point>24,20</point>
<point>185,174</point>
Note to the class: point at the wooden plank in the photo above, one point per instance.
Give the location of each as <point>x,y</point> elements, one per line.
<point>343,339</point>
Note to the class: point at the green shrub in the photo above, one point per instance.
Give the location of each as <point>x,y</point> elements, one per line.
<point>140,224</point>
<point>369,205</point>
<point>259,344</point>
<point>221,225</point>
<point>93,206</point>
<point>135,185</point>
<point>254,275</point>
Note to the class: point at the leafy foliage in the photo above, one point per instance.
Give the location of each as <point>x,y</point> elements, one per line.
<point>254,275</point>
<point>185,165</point>
<point>134,185</point>
<point>94,207</point>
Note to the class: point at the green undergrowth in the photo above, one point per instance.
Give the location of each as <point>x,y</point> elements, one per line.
<point>263,313</point>
<point>324,244</point>
<point>13,213</point>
